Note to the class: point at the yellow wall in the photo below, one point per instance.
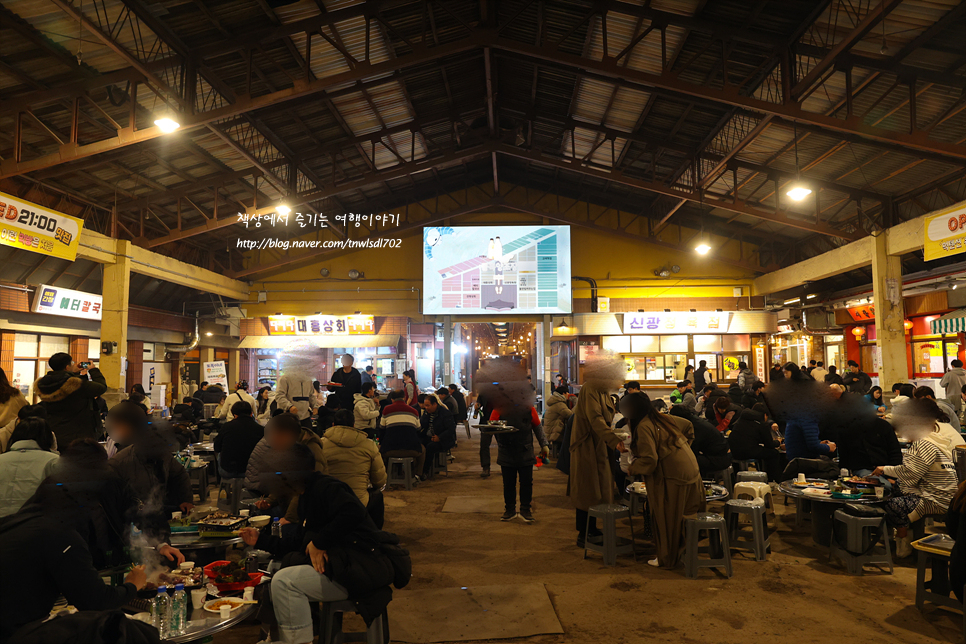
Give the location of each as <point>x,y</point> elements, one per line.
<point>616,262</point>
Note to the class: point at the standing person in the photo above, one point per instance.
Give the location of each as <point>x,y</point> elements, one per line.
<point>438,430</point>
<point>346,382</point>
<point>263,406</point>
<point>775,373</point>
<point>351,456</point>
<point>856,380</point>
<point>68,395</point>
<point>927,476</point>
<point>515,455</point>
<point>11,400</point>
<point>29,461</point>
<point>746,378</point>
<point>239,395</point>
<point>833,377</point>
<point>701,376</point>
<point>236,440</point>
<point>953,382</point>
<point>660,444</point>
<point>411,388</point>
<point>956,526</point>
<point>753,437</point>
<point>365,410</point>
<point>819,372</point>
<point>689,373</point>
<point>368,375</point>
<point>294,393</point>
<point>591,480</point>
<point>400,433</point>
<point>811,366</point>
<point>799,401</point>
<point>557,413</point>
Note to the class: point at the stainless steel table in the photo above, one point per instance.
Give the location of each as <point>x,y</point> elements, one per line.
<point>823,507</point>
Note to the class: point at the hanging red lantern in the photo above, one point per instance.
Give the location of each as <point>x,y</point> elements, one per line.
<point>858,331</point>
<point>907,324</point>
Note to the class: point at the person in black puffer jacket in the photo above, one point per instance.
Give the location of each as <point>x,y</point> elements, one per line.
<point>515,456</point>
<point>751,438</point>
<point>867,443</point>
<point>709,446</point>
<point>68,396</point>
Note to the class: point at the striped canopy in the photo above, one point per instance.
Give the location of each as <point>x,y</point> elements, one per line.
<point>954,322</point>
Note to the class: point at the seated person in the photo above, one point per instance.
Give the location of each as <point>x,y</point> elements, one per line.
<point>449,401</point>
<point>927,477</point>
<point>400,433</point>
<point>864,445</point>
<point>42,549</point>
<point>147,460</point>
<point>138,398</point>
<point>724,411</point>
<point>185,410</point>
<point>335,536</point>
<point>366,410</point>
<point>705,404</point>
<point>461,413</point>
<point>351,456</point>
<point>437,430</point>
<point>755,396</point>
<point>752,437</point>
<point>632,387</point>
<point>902,392</point>
<point>709,445</point>
<point>29,461</point>
<point>876,400</point>
<point>236,440</point>
<point>327,414</point>
<point>735,393</point>
<point>281,432</point>
<point>946,407</point>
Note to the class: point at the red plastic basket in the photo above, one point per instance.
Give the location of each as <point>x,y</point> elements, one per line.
<point>255,578</point>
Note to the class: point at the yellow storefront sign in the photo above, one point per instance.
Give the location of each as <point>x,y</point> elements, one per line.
<point>27,226</point>
<point>945,233</point>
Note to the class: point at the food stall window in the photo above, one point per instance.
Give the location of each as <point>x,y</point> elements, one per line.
<point>738,342</point>
<point>674,344</point>
<point>645,344</point>
<point>616,343</point>
<point>26,345</point>
<point>655,368</point>
<point>710,343</point>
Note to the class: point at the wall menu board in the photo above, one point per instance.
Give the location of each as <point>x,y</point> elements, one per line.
<point>496,269</point>
<point>28,226</point>
<point>321,325</point>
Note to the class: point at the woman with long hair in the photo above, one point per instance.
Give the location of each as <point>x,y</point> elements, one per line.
<point>263,405</point>
<point>29,461</point>
<point>875,397</point>
<point>411,387</point>
<point>11,400</point>
<point>661,445</point>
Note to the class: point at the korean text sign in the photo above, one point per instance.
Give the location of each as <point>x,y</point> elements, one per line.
<point>33,228</point>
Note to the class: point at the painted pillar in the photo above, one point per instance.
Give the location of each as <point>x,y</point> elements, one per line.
<point>889,312</point>
<point>546,330</point>
<point>234,368</point>
<point>116,291</point>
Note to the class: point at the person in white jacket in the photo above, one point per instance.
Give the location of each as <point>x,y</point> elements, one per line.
<point>240,395</point>
<point>263,405</point>
<point>365,409</point>
<point>295,393</point>
<point>953,383</point>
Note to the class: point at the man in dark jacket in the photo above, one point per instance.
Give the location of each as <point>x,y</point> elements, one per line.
<point>455,392</point>
<point>212,395</point>
<point>755,397</point>
<point>41,548</point>
<point>701,376</point>
<point>856,380</point>
<point>68,395</point>
<point>340,541</point>
<point>449,401</point>
<point>438,430</point>
<point>200,391</point>
<point>709,446</point>
<point>867,444</point>
<point>236,440</point>
<point>348,382</point>
<point>515,456</point>
<point>751,438</point>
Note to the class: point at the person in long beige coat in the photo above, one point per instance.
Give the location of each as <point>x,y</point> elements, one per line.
<point>661,445</point>
<point>591,481</point>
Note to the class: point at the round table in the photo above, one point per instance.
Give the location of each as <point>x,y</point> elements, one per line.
<point>203,624</point>
<point>823,508</point>
<point>720,493</point>
<point>205,549</point>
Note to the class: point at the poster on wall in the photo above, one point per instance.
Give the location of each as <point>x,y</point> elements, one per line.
<point>31,227</point>
<point>216,374</point>
<point>53,300</point>
<point>496,269</point>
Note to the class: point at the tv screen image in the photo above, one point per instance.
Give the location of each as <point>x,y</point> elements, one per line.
<point>496,269</point>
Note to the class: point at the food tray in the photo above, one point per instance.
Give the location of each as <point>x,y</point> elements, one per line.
<point>496,429</point>
<point>220,525</point>
<point>254,578</point>
<point>934,542</point>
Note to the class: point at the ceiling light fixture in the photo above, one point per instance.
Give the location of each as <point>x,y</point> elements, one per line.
<point>282,209</point>
<point>702,249</point>
<point>167,124</point>
<point>799,190</point>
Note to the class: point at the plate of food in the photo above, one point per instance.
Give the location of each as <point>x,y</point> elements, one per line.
<point>811,491</point>
<point>231,575</point>
<point>191,578</point>
<point>214,606</point>
<point>816,484</point>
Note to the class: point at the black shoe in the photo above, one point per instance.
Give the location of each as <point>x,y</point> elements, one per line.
<point>526,515</point>
<point>485,474</point>
<point>508,515</point>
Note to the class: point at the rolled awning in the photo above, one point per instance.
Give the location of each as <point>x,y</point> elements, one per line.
<point>954,322</point>
<point>322,341</point>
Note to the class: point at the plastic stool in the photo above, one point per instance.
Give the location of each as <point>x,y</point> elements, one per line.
<point>233,489</point>
<point>755,490</point>
<point>742,466</point>
<point>760,541</point>
<point>441,463</point>
<point>610,545</point>
<point>760,477</point>
<point>331,626</point>
<point>720,555</point>
<point>856,530</point>
<point>918,528</point>
<point>726,477</point>
<point>400,472</point>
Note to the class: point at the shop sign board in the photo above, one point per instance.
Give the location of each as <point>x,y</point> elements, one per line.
<point>677,322</point>
<point>216,374</point>
<point>760,362</point>
<point>863,313</point>
<point>54,300</point>
<point>27,226</point>
<point>316,325</point>
<point>587,350</point>
<point>603,304</point>
<point>945,233</point>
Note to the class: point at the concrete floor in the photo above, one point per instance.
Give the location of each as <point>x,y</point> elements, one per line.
<point>795,596</point>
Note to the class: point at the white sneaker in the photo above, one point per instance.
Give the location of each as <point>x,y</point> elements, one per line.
<point>654,562</point>
<point>903,547</point>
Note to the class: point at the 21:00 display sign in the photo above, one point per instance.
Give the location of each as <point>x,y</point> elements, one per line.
<point>28,226</point>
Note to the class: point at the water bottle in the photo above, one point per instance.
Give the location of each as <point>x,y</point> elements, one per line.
<point>161,612</point>
<point>136,545</point>
<point>179,611</point>
<point>843,473</point>
<point>276,528</point>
